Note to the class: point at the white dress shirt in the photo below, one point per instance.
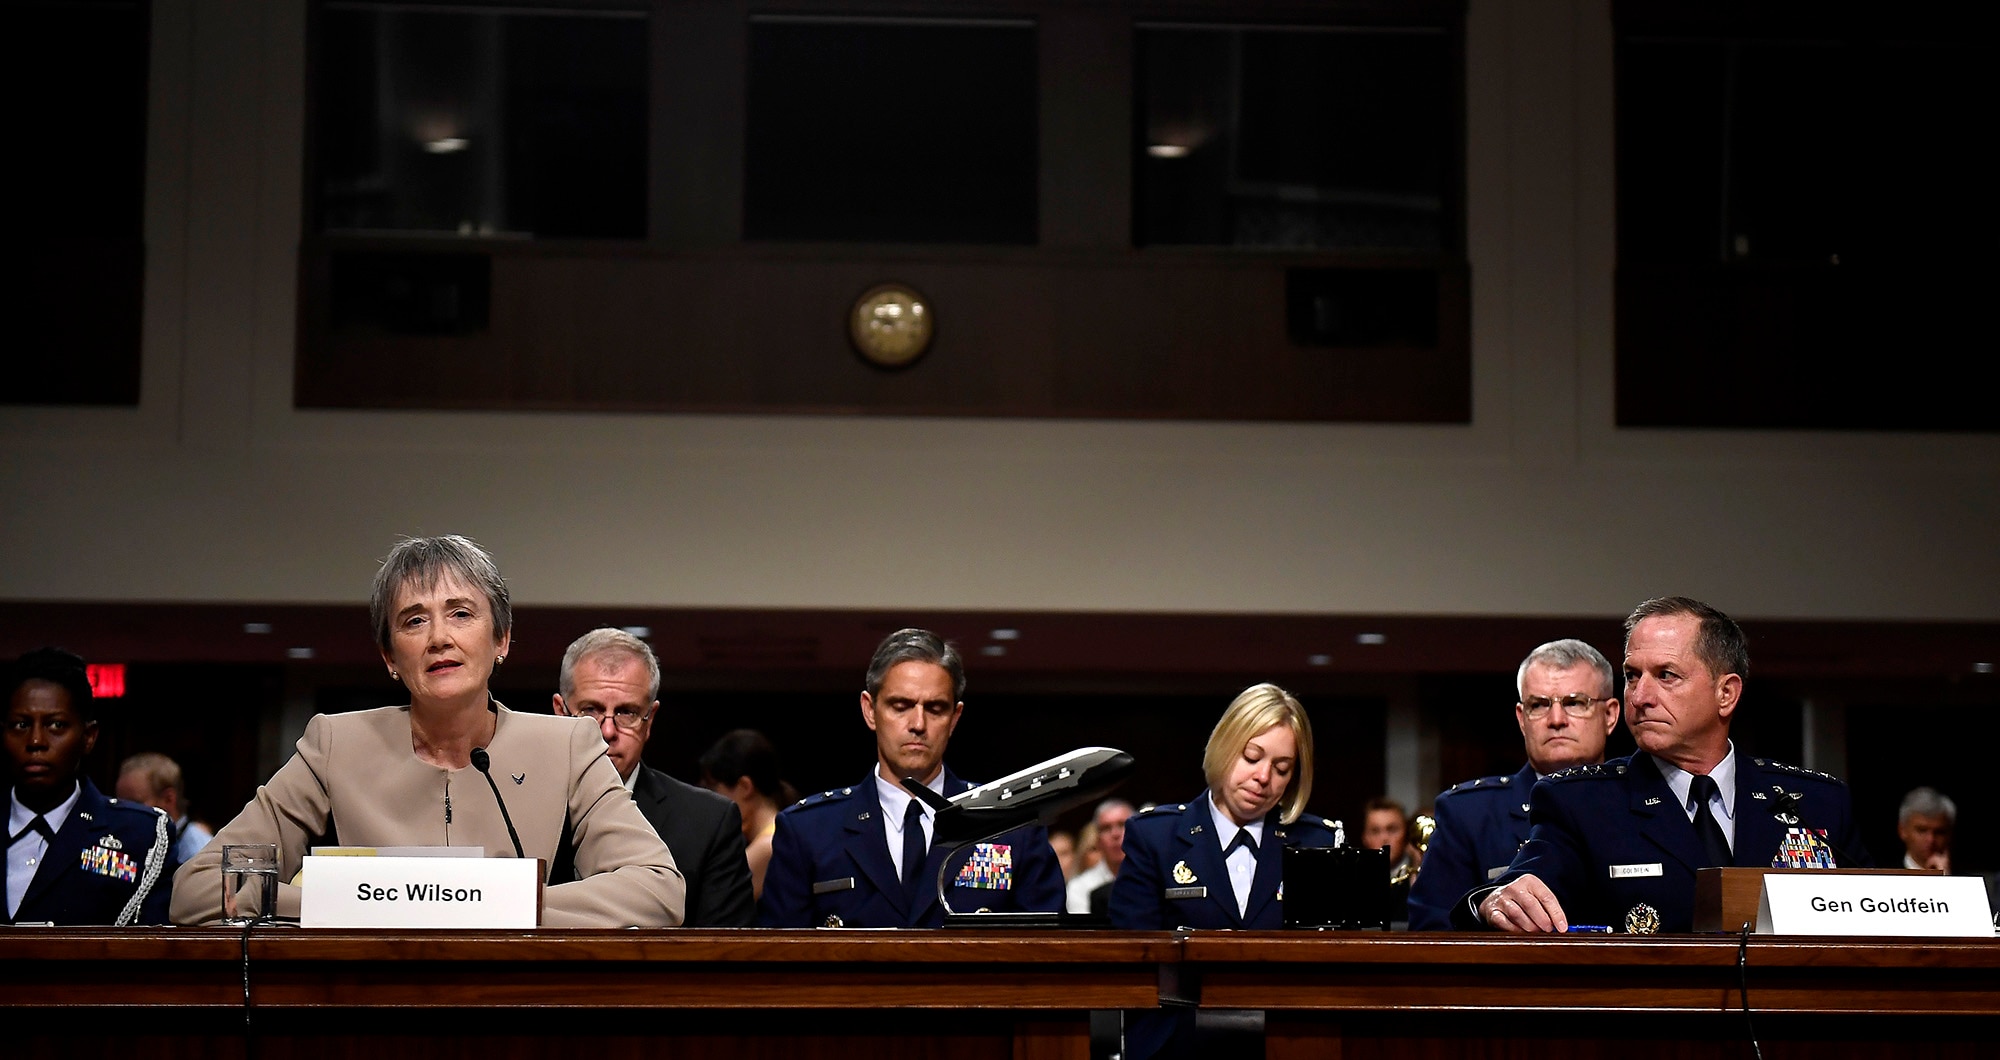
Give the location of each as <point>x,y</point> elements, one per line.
<point>1241,862</point>
<point>895,803</point>
<point>24,857</point>
<point>1722,804</point>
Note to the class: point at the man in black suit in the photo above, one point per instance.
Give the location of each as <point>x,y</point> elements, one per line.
<point>613,678</point>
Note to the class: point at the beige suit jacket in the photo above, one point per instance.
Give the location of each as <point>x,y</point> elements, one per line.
<point>358,773</point>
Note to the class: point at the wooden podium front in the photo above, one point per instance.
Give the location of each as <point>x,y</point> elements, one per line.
<point>1725,899</point>
<point>175,993</point>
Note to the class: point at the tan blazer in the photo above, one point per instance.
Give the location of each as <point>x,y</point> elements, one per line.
<point>358,772</point>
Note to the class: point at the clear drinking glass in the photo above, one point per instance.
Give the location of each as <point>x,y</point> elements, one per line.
<point>251,867</point>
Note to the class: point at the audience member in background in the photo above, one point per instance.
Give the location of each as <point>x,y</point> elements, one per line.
<point>73,856</point>
<point>1385,824</point>
<point>1566,710</point>
<point>613,678</point>
<point>155,779</point>
<point>1064,844</point>
<point>1686,800</point>
<point>1110,826</point>
<point>384,777</point>
<point>1924,823</point>
<point>744,767</point>
<point>1216,861</point>
<point>862,856</point>
<point>1087,855</point>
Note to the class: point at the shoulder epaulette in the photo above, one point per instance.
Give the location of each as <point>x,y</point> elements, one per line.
<point>1480,784</point>
<point>829,796</point>
<point>1596,771</point>
<point>1797,771</point>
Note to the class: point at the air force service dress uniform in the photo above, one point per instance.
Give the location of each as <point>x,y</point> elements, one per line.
<point>830,867</point>
<point>1175,874</point>
<point>111,862</point>
<point>1616,847</point>
<point>1480,825</point>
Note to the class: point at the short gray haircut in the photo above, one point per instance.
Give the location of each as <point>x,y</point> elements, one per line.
<point>425,561</point>
<point>614,642</point>
<point>916,645</point>
<point>1927,802</point>
<point>1563,654</point>
<point>1109,805</point>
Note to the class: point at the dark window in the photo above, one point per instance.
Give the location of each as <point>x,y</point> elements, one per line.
<point>75,84</point>
<point>482,122</point>
<point>1330,138</point>
<point>899,131</point>
<point>1803,217</point>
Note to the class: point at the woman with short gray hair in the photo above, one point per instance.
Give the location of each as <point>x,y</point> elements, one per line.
<point>404,775</point>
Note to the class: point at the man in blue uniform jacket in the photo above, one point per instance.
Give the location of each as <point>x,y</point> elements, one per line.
<point>1618,844</point>
<point>73,856</point>
<point>1565,712</point>
<point>861,856</point>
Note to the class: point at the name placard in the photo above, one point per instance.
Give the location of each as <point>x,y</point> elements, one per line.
<point>420,892</point>
<point>1832,903</point>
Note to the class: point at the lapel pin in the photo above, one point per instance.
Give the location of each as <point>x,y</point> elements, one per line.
<point>1654,801</point>
<point>520,777</point>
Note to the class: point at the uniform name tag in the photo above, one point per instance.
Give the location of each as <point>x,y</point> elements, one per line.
<point>1622,872</point>
<point>1187,892</point>
<point>845,883</point>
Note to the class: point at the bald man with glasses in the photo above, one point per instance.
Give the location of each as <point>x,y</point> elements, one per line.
<point>613,678</point>
<point>1566,712</point>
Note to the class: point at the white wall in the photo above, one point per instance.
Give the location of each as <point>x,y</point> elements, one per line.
<point>216,489</point>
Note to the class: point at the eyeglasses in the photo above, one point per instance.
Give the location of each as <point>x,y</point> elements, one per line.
<point>1578,706</point>
<point>624,717</point>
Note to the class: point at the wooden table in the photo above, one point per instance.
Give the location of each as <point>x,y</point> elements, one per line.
<point>751,995</point>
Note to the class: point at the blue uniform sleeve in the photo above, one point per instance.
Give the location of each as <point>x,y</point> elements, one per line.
<point>1553,854</point>
<point>787,900</point>
<point>1136,896</point>
<point>1450,870</point>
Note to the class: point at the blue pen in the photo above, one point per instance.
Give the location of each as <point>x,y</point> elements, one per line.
<point>1590,929</point>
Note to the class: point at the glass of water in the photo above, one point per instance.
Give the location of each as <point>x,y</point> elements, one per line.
<point>249,882</point>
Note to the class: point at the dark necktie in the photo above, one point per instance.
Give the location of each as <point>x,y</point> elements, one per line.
<point>1243,839</point>
<point>913,845</point>
<point>39,824</point>
<point>1712,840</point>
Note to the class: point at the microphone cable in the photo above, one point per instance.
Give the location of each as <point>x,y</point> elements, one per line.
<point>1743,989</point>
<point>484,763</point>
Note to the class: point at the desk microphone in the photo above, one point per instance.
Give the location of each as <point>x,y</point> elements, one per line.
<point>484,763</point>
<point>1786,809</point>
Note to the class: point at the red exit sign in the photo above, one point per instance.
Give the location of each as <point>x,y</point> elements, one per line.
<point>107,680</point>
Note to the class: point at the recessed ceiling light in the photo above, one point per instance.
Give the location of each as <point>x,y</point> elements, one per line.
<point>1318,660</point>
<point>641,632</point>
<point>1167,150</point>
<point>256,627</point>
<point>993,649</point>
<point>298,653</point>
<point>1982,668</point>
<point>445,145</point>
<point>1370,638</point>
<point>1005,634</point>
